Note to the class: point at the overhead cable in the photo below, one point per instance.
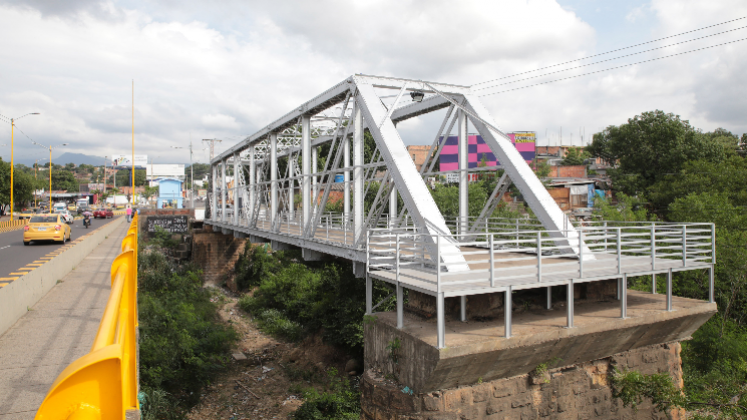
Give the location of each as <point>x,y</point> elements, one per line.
<point>613,68</point>
<point>609,52</point>
<point>609,59</point>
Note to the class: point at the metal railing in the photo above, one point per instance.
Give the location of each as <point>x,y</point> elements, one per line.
<point>538,254</point>
<point>103,384</point>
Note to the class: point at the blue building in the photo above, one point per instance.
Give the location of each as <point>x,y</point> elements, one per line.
<point>169,193</point>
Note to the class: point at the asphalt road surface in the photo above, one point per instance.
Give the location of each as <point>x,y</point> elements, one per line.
<point>14,255</point>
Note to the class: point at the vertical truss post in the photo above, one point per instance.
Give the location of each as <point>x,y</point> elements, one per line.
<point>463,225</point>
<point>236,189</point>
<point>314,185</point>
<point>273,179</point>
<point>214,196</point>
<point>346,177</point>
<point>306,170</point>
<point>358,182</point>
<point>252,184</point>
<point>223,191</point>
<point>291,189</point>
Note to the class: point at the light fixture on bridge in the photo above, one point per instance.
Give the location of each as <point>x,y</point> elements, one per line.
<point>417,96</point>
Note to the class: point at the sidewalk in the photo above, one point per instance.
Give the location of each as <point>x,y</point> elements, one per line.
<point>56,331</point>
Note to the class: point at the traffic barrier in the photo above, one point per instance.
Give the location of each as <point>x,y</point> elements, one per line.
<point>10,225</point>
<point>103,384</point>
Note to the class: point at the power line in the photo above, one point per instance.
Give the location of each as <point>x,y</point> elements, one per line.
<point>613,68</point>
<point>609,59</point>
<point>609,52</point>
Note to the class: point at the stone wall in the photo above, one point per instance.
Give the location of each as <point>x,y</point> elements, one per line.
<point>216,254</point>
<point>580,391</point>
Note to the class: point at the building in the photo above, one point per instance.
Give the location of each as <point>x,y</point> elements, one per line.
<point>418,153</point>
<point>169,193</point>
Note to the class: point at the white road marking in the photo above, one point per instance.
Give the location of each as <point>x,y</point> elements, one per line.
<point>6,246</point>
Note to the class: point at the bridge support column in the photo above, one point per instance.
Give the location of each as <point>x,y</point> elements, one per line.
<point>440,321</point>
<point>463,225</point>
<point>463,308</point>
<point>358,182</point>
<point>273,179</point>
<point>400,308</point>
<point>252,184</point>
<point>369,295</point>
<point>306,171</point>
<point>223,191</point>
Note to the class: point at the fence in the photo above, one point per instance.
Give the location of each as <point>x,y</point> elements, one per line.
<point>103,384</point>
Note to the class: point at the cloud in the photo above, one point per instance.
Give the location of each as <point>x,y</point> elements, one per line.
<point>637,13</point>
<point>228,67</point>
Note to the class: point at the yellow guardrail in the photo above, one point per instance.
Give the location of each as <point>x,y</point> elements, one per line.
<point>103,384</point>
<point>9,225</point>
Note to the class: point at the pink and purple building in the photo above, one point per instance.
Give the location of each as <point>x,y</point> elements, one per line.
<point>480,152</point>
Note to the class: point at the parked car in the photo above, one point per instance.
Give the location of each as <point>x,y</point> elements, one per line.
<point>49,227</point>
<point>103,213</point>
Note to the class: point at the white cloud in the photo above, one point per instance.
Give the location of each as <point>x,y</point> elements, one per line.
<point>226,68</point>
<point>637,13</point>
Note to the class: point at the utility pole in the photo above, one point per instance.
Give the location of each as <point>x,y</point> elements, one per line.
<point>192,175</point>
<point>212,146</point>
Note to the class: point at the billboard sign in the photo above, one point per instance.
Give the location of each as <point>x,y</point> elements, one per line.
<point>164,170</point>
<point>125,161</point>
<point>525,142</point>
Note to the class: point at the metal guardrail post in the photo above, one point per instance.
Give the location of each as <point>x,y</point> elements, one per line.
<point>539,257</point>
<point>492,261</point>
<point>711,291</point>
<point>619,251</point>
<point>438,263</point>
<point>713,244</point>
<point>606,232</point>
<point>396,257</point>
<point>653,247</point>
<point>684,245</point>
<point>580,253</point>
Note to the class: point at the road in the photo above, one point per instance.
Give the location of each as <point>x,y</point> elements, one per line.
<point>14,255</point>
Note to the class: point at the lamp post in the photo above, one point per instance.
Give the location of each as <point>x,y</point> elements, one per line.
<point>12,143</point>
<point>50,147</point>
<point>192,174</point>
<point>36,169</point>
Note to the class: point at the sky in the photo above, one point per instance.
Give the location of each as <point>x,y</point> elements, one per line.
<point>225,68</point>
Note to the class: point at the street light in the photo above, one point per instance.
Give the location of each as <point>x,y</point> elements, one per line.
<point>12,143</point>
<point>50,147</point>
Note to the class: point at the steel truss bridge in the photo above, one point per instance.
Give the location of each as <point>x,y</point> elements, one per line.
<point>345,204</point>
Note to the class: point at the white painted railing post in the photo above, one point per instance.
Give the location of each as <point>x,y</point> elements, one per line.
<point>539,257</point>
<point>580,253</point>
<point>684,245</point>
<point>491,258</point>
<point>653,247</point>
<point>619,251</point>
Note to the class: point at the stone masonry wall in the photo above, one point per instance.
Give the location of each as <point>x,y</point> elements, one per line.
<point>216,254</point>
<point>573,392</point>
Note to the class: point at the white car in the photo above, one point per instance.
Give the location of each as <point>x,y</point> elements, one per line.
<point>66,216</point>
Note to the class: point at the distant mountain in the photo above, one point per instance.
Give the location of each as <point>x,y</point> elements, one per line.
<point>76,158</point>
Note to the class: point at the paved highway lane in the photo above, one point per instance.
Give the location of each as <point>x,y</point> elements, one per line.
<point>14,256</point>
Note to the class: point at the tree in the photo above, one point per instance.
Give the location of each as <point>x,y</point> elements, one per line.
<point>124,180</point>
<point>650,146</point>
<point>575,156</point>
<point>22,186</point>
<point>63,180</point>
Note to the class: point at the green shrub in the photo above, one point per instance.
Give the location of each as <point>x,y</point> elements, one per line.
<point>274,322</point>
<point>340,401</point>
<point>182,343</point>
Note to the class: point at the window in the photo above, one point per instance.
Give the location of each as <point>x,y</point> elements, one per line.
<point>43,219</point>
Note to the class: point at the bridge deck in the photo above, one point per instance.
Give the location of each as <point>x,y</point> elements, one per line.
<point>56,331</point>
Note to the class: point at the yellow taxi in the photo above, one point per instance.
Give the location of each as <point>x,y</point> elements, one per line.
<point>46,227</point>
